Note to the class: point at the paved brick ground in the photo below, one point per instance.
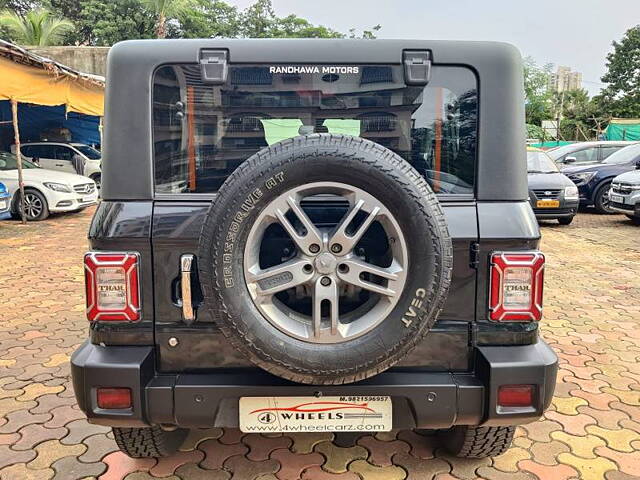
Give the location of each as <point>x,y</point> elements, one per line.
<point>592,431</point>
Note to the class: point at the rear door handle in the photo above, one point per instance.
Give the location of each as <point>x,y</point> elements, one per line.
<point>59,164</point>
<point>186,265</point>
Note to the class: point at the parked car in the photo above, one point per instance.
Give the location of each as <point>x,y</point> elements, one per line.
<point>328,260</point>
<point>624,196</point>
<point>45,191</point>
<point>5,202</point>
<point>67,157</point>
<point>594,181</point>
<point>585,153</point>
<point>551,194</point>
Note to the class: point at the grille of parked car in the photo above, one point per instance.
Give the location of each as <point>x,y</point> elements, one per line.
<point>84,188</point>
<point>547,193</point>
<point>621,187</point>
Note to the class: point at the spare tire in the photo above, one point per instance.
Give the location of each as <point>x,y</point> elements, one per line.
<point>325,259</point>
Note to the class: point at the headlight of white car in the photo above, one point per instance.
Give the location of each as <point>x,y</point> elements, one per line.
<point>571,193</point>
<point>57,187</point>
<point>581,178</point>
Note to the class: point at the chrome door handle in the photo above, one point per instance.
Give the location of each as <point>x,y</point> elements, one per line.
<point>186,263</point>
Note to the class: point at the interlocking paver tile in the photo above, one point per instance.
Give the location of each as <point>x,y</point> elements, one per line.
<point>231,436</point>
<point>20,471</point>
<point>338,458</point>
<point>589,469</point>
<point>380,453</point>
<point>293,464</point>
<point>244,469</point>
<point>20,418</point>
<point>260,447</point>
<point>490,473</point>
<point>33,434</point>
<point>9,457</point>
<point>421,469</point>
<point>167,465</point>
<point>98,446</point>
<point>371,472</point>
<point>51,450</point>
<point>582,446</point>
<point>316,473</point>
<point>194,472</point>
<point>508,461</point>
<point>119,465</point>
<point>304,442</point>
<point>617,439</point>
<point>69,468</point>
<point>572,424</point>
<point>539,431</point>
<point>217,453</point>
<point>551,472</point>
<point>80,429</point>
<point>34,390</point>
<point>421,446</point>
<point>568,406</point>
<point>197,436</point>
<point>628,462</point>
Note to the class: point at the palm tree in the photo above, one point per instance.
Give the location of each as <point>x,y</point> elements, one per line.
<point>36,28</point>
<point>166,9</point>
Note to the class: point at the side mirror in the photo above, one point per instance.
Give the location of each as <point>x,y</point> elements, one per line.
<point>569,159</point>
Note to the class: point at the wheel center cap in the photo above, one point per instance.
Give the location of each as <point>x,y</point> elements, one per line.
<point>325,263</point>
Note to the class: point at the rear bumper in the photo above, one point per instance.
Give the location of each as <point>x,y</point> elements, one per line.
<point>420,399</point>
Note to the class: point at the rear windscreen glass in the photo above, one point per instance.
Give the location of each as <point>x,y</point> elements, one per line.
<point>201,132</point>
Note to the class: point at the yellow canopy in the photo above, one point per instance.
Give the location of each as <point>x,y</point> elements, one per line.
<point>29,84</point>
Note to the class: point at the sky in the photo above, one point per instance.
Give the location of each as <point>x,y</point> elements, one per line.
<point>574,33</point>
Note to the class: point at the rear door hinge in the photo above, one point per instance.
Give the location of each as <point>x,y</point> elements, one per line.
<point>213,66</point>
<point>417,67</point>
<point>474,255</point>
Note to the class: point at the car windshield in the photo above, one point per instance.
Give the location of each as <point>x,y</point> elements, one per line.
<point>539,162</point>
<point>8,161</point>
<point>624,155</point>
<point>559,152</point>
<point>89,152</point>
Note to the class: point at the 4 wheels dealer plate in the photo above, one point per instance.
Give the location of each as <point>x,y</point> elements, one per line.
<point>315,414</point>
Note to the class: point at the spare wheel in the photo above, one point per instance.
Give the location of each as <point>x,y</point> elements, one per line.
<point>325,258</point>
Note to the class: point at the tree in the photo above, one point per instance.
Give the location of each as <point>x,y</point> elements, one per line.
<point>536,91</point>
<point>209,18</point>
<point>36,27</point>
<point>166,10</point>
<point>621,96</point>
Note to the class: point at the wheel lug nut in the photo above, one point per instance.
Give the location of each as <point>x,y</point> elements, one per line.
<point>307,268</point>
<point>343,268</point>
<point>336,248</point>
<point>325,281</point>
<point>314,248</point>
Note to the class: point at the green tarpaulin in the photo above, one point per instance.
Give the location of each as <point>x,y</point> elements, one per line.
<point>277,129</point>
<point>623,129</point>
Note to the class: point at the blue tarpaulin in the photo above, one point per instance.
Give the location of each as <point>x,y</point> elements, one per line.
<point>34,119</point>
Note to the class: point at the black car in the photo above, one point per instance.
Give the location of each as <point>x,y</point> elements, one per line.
<point>594,181</point>
<point>310,238</point>
<point>552,195</point>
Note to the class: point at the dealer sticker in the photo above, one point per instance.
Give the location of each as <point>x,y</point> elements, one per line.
<point>315,414</point>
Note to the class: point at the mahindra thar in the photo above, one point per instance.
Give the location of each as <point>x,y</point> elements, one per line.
<point>314,235</point>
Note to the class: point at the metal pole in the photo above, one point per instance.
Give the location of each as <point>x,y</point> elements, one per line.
<point>16,136</point>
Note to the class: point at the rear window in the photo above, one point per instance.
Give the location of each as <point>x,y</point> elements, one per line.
<point>202,133</point>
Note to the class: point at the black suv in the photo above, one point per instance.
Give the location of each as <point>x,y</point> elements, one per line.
<point>314,235</point>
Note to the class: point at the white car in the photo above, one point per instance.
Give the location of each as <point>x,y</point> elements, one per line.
<point>66,157</point>
<point>45,191</point>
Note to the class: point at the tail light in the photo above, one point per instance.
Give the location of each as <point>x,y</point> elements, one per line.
<point>516,283</point>
<point>112,284</point>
